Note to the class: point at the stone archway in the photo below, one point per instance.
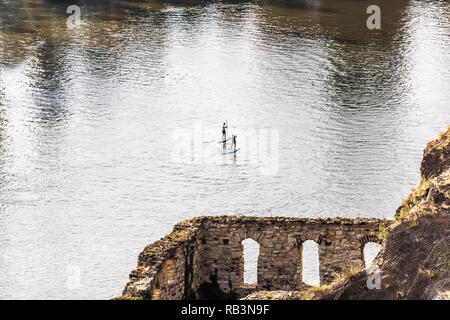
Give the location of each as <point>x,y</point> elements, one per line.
<point>309,262</point>
<point>370,246</point>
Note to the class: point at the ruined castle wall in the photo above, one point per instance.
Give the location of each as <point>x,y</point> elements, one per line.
<point>210,248</point>
<point>170,268</point>
<point>280,240</point>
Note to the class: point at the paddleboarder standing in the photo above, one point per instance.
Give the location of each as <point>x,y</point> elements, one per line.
<point>224,131</point>
<point>234,141</point>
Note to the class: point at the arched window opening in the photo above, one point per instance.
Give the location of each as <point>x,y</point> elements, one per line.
<point>310,263</point>
<point>370,252</point>
<point>248,268</point>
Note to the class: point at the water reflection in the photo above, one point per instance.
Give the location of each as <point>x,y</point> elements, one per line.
<point>47,73</point>
<point>87,117</point>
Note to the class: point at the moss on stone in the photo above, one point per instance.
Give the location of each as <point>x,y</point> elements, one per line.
<point>383,232</point>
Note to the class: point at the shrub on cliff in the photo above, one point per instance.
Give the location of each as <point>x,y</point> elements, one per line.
<point>414,262</point>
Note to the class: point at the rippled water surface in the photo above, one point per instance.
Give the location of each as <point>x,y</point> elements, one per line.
<point>90,118</point>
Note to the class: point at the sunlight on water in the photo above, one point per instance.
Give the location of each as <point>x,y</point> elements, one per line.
<point>88,116</point>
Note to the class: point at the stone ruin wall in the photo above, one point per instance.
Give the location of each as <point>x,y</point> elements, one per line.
<point>210,248</point>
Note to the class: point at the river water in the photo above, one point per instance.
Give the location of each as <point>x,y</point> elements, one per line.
<point>109,129</point>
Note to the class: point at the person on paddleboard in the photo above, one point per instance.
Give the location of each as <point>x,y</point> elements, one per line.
<point>234,141</point>
<point>224,131</point>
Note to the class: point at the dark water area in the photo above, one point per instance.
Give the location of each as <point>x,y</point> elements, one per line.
<point>92,119</point>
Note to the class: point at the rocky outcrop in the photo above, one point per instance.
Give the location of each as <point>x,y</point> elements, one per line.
<point>436,158</point>
<point>166,268</point>
<point>414,262</point>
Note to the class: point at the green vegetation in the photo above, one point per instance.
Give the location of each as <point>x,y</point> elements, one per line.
<point>169,241</point>
<point>312,292</point>
<point>316,291</point>
<point>417,195</point>
<point>430,197</point>
<point>383,232</point>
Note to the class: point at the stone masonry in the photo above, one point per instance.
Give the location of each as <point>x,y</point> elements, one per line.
<point>209,249</point>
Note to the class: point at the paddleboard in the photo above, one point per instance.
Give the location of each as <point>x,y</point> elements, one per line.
<point>234,150</point>
<point>224,140</point>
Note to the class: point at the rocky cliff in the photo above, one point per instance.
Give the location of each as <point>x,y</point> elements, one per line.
<point>414,262</point>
